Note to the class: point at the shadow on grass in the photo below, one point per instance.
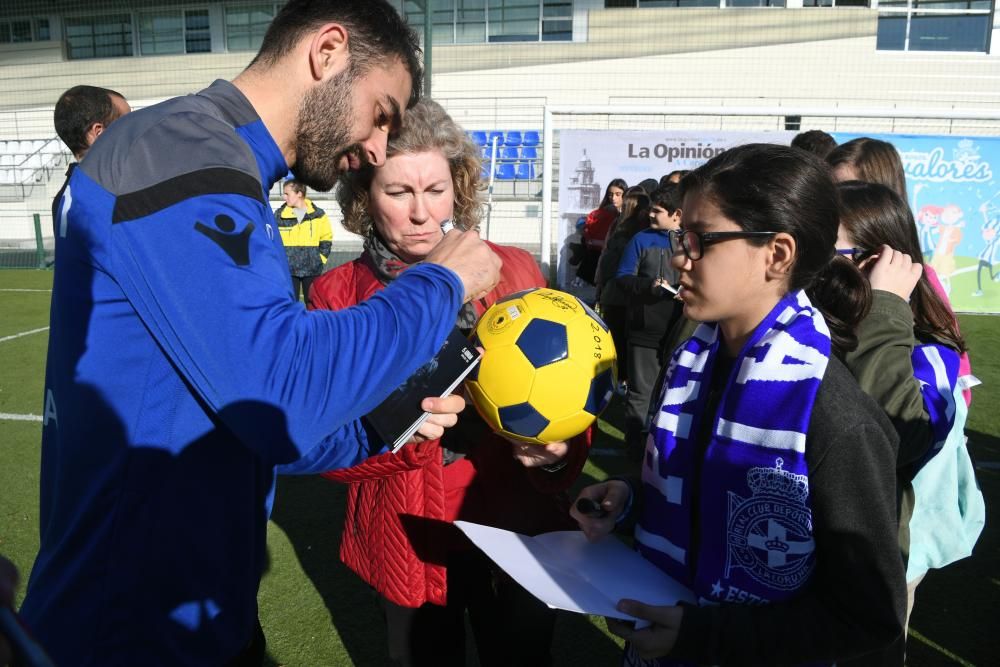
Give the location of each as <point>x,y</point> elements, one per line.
<point>955,606</point>
<point>310,511</point>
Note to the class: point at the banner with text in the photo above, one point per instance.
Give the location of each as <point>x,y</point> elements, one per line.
<point>590,159</point>
<point>952,187</point>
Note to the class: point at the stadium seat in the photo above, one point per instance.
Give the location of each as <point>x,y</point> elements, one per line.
<point>530,138</point>
<point>479,137</point>
<point>525,171</point>
<point>6,175</point>
<point>529,153</point>
<point>484,172</point>
<point>513,138</point>
<point>505,172</point>
<point>6,160</point>
<point>495,134</point>
<point>510,153</point>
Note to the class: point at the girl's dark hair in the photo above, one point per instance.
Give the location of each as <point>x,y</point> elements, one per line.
<point>772,188</point>
<point>874,161</point>
<point>634,202</point>
<point>616,183</point>
<point>874,216</point>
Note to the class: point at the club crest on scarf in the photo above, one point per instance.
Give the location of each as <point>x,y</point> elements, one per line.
<point>731,518</point>
<point>769,533</point>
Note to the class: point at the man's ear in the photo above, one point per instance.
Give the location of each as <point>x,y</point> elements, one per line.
<point>781,257</point>
<point>93,132</point>
<point>675,218</point>
<point>328,52</point>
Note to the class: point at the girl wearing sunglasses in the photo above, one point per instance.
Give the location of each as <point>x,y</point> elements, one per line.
<point>768,482</point>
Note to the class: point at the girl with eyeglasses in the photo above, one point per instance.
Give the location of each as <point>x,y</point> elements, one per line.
<point>768,482</point>
<point>908,360</point>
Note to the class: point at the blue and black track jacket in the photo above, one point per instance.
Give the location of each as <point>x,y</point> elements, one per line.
<point>180,373</point>
<point>646,258</point>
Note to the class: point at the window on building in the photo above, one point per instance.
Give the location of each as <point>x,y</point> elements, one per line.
<point>476,21</point>
<point>104,36</point>
<point>197,33</point>
<point>513,20</point>
<point>246,25</point>
<point>663,3</point>
<point>934,25</point>
<point>15,31</point>
<point>42,32</point>
<point>732,3</point>
<point>755,3</point>
<point>557,22</point>
<point>442,18</point>
<point>161,32</point>
<point>470,21</point>
<point>174,31</point>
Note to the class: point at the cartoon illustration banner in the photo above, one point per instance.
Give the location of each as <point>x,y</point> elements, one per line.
<point>952,187</point>
<point>591,159</point>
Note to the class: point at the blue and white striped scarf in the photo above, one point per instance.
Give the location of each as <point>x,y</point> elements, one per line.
<point>731,518</point>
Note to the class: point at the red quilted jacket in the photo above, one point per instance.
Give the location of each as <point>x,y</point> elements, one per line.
<point>400,507</point>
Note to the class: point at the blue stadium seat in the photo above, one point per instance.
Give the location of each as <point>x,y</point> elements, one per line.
<point>505,172</point>
<point>529,153</point>
<point>530,138</point>
<point>497,135</point>
<point>510,153</point>
<point>513,138</point>
<point>484,172</point>
<point>478,137</point>
<point>525,171</point>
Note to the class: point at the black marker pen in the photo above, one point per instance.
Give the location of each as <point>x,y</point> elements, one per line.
<point>591,508</point>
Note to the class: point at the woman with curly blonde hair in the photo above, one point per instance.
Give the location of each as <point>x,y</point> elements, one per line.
<point>398,533</point>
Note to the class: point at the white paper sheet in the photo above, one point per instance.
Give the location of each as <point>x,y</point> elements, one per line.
<point>565,571</point>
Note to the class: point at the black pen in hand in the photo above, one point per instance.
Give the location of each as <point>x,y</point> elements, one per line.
<point>591,508</point>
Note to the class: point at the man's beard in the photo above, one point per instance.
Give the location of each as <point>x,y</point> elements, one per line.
<point>325,124</point>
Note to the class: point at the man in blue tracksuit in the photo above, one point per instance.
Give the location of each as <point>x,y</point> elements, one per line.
<point>181,371</point>
<point>643,273</point>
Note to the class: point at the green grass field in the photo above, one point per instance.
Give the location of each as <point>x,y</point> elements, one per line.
<point>315,612</point>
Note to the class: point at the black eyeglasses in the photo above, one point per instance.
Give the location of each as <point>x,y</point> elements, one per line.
<point>694,243</point>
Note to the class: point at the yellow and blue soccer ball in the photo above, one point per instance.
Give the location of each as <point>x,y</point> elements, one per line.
<point>548,368</point>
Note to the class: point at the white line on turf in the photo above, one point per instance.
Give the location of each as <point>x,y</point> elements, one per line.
<point>6,416</point>
<point>18,289</point>
<point>23,333</point>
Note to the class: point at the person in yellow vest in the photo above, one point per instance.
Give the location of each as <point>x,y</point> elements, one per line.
<point>306,233</point>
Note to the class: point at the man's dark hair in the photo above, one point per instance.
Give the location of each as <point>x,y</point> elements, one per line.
<point>816,142</point>
<point>78,109</point>
<point>667,197</point>
<point>376,33</point>
<point>296,186</point>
